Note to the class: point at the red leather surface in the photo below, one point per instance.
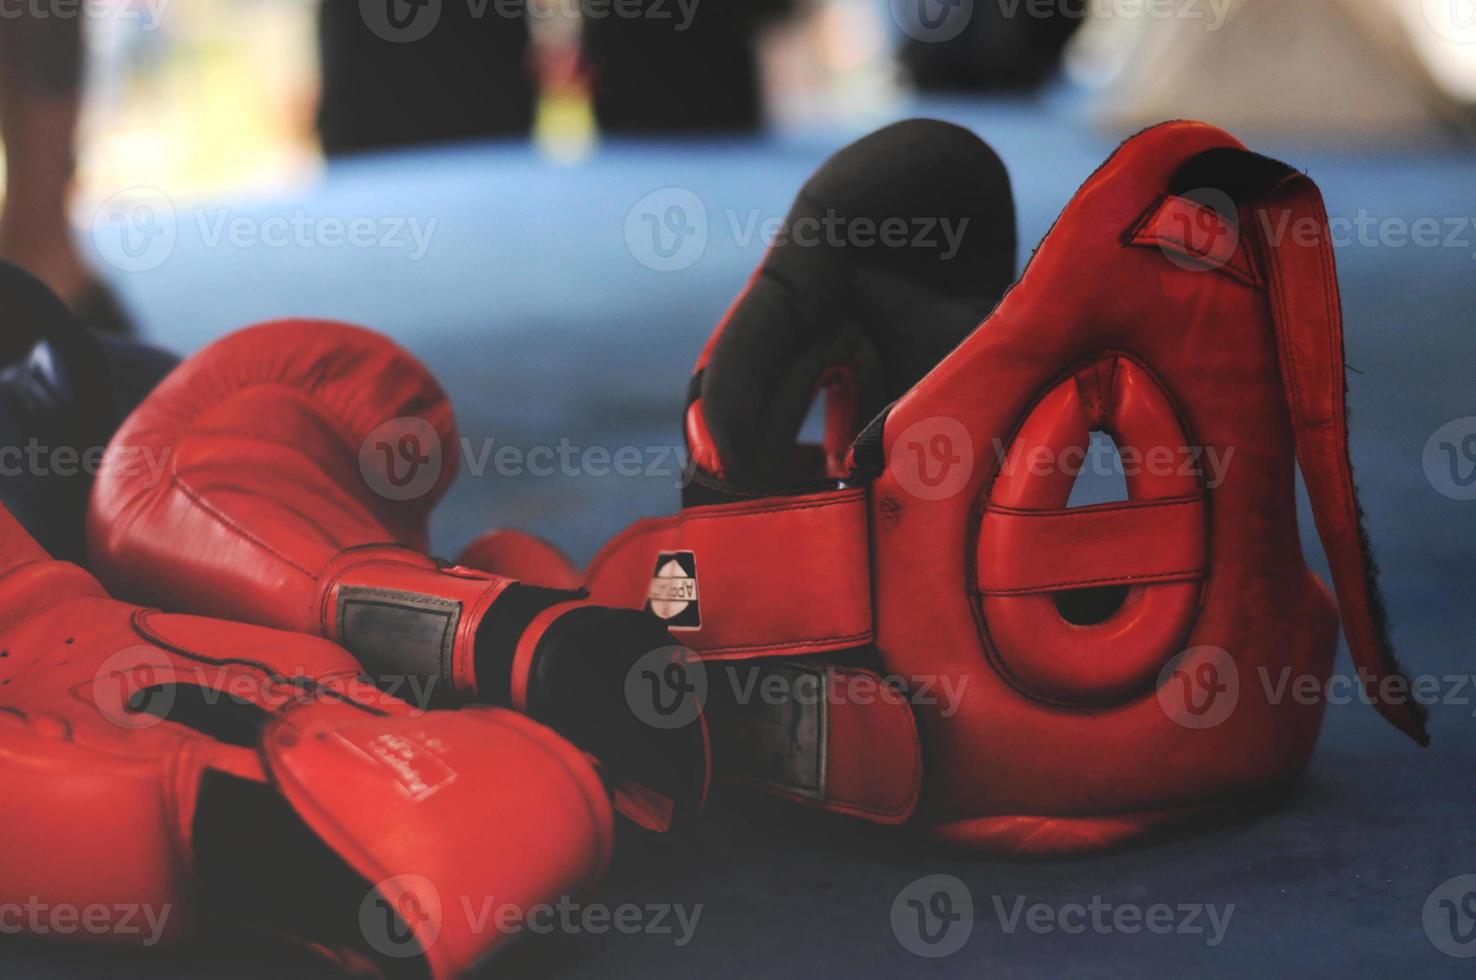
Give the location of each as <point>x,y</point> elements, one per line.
<point>875,759</point>
<point>700,444</point>
<point>1199,234</point>
<point>521,556</point>
<point>264,482</point>
<point>1170,326</point>
<point>509,812</point>
<point>296,464</point>
<point>1029,539</point>
<point>101,799</point>
<point>1310,343</point>
<point>1021,551</point>
<point>394,572</point>
<point>1208,337</point>
<point>784,575</point>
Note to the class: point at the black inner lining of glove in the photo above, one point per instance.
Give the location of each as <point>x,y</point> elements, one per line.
<point>839,292</point>
<point>502,629</point>
<point>219,715</point>
<point>588,681</point>
<point>259,866</point>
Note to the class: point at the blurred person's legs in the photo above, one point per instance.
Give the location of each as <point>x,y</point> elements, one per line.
<point>40,98</point>
<point>676,65</point>
<point>403,72</point>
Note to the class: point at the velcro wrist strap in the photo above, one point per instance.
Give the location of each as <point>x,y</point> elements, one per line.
<point>832,737</point>
<point>745,584</point>
<point>777,576</point>
<point>404,617</point>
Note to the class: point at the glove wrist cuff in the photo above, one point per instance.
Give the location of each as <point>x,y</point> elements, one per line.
<point>407,619</point>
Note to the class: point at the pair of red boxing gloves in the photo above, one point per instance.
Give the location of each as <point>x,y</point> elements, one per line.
<point>907,623</point>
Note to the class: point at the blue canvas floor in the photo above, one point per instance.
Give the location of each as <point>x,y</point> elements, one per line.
<point>543,326</point>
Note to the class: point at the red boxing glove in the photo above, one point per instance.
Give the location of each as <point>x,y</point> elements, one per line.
<point>1078,675</point>
<point>283,476</point>
<point>178,772</point>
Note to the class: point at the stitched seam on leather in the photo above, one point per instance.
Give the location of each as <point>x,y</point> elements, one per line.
<point>1146,503</point>
<point>140,621</point>
<point>1140,234</point>
<point>322,411</point>
<point>14,624</point>
<point>326,587</point>
<point>1239,271</point>
<point>35,613</point>
<point>212,511</point>
<point>328,537</point>
<point>446,659</point>
<point>988,645</point>
<point>789,645</point>
<point>721,511</point>
<point>1155,578</point>
<point>472,622</point>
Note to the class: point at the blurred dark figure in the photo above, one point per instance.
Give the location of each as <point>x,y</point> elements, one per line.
<point>999,45</point>
<point>40,99</point>
<point>693,71</point>
<point>402,72</point>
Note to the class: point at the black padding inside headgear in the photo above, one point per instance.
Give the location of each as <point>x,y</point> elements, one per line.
<point>1239,174</point>
<point>826,296</point>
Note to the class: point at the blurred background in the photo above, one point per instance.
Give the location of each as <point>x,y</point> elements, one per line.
<point>562,195</point>
<point>551,202</point>
<point>220,96</point>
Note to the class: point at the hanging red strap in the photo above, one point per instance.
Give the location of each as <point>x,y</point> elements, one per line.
<point>1303,293</point>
